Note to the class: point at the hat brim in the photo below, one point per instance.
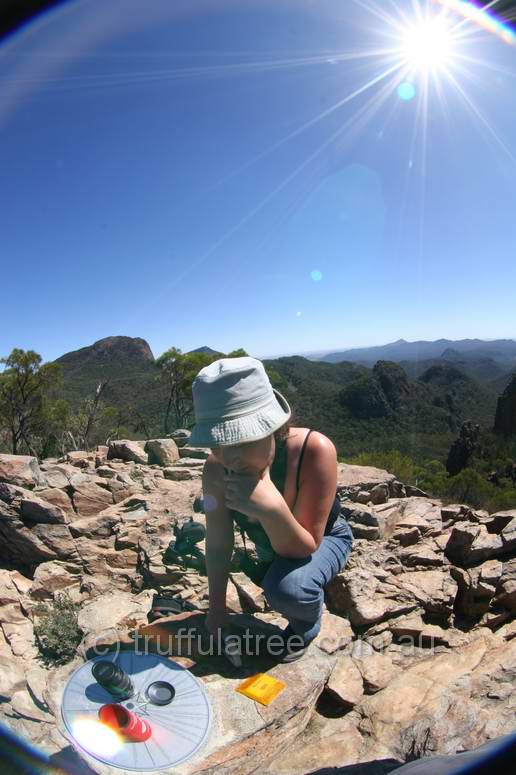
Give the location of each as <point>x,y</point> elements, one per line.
<point>252,427</point>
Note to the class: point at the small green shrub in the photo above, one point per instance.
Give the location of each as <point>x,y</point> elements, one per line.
<point>471,487</point>
<point>392,461</point>
<point>431,477</point>
<point>57,632</point>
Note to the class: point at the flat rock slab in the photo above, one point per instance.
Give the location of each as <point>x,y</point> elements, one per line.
<point>244,733</point>
<point>366,476</point>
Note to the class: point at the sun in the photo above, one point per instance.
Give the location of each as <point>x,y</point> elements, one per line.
<point>428,45</point>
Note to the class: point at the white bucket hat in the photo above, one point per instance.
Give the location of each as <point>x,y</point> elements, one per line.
<point>234,402</point>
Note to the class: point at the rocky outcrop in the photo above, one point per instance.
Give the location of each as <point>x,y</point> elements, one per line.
<point>505,417</point>
<point>394,382</point>
<point>463,448</point>
<point>419,625</point>
<point>364,398</point>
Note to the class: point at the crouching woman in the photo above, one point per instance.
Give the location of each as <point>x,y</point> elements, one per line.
<point>278,483</point>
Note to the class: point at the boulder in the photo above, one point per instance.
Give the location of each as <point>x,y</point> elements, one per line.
<point>20,636</point>
<point>377,670</point>
<point>80,458</point>
<point>106,471</point>
<point>57,497</point>
<point>397,489</point>
<point>21,470</point>
<point>180,436</point>
<point>364,515</point>
<point>24,542</point>
<point>251,596</point>
<point>162,452</point>
<point>99,557</point>
<point>415,492</point>
<point>363,520</point>
<point>335,634</point>
<point>434,590</point>
<point>407,536</point>
<point>346,684</point>
<point>379,493</point>
<point>126,449</point>
<point>58,475</point>
<point>99,525</point>
<point>477,587</point>
<point>36,509</point>
<point>423,596</point>
<point>199,454</point>
<point>505,594</point>
<point>470,543</point>
<point>54,576</point>
<point>361,596</point>
<point>455,512</point>
<point>122,486</point>
<point>421,554</point>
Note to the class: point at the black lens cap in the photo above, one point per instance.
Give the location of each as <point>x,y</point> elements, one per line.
<point>160,692</point>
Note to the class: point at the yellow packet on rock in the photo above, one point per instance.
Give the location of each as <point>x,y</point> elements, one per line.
<point>261,687</point>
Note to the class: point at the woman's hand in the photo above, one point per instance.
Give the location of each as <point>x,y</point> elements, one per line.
<point>252,495</point>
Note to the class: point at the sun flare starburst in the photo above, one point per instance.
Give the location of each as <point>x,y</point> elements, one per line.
<point>418,60</point>
<point>428,44</point>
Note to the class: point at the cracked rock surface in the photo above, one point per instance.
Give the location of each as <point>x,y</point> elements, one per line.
<point>417,650</point>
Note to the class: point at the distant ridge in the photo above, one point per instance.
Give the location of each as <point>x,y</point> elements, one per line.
<point>352,402</point>
<point>501,350</point>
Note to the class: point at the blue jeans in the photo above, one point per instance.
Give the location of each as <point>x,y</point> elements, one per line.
<point>295,587</point>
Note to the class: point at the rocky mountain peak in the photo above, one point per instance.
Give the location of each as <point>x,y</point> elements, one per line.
<point>129,350</point>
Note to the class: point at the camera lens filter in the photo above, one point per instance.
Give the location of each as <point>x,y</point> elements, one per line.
<point>160,692</point>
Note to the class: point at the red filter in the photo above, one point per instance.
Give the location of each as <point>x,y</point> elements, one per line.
<point>125,722</point>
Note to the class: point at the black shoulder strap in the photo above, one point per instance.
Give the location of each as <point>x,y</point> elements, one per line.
<point>301,459</point>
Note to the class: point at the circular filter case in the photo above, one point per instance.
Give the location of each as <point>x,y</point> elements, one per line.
<point>160,692</point>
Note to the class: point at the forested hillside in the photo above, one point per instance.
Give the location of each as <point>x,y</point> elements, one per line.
<point>434,428</point>
<point>360,408</point>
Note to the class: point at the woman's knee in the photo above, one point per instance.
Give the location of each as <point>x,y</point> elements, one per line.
<point>345,544</point>
<point>283,590</point>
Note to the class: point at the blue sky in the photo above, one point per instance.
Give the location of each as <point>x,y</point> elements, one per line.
<point>200,173</point>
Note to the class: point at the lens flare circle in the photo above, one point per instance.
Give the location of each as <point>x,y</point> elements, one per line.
<point>427,45</point>
<point>95,735</point>
<point>406,91</point>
